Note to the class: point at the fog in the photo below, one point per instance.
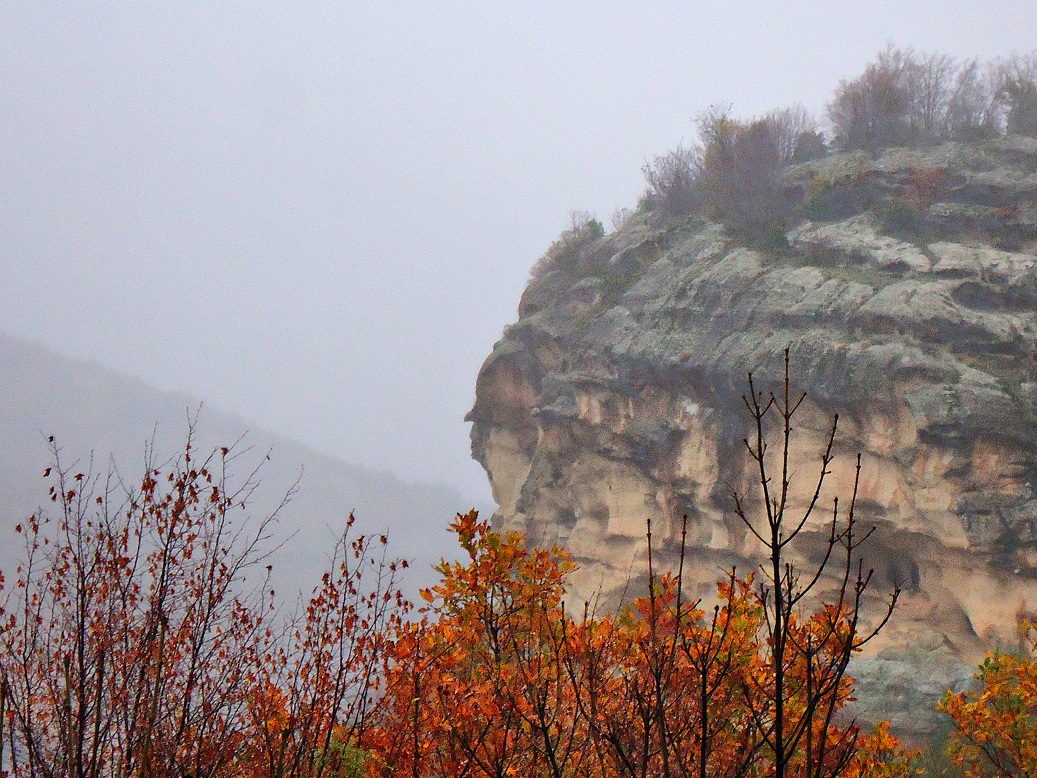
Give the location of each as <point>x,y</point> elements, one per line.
<point>320,216</point>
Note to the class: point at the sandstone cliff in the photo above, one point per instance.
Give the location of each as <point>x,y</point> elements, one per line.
<point>907,292</point>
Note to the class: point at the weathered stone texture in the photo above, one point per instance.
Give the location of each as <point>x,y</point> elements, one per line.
<point>616,397</point>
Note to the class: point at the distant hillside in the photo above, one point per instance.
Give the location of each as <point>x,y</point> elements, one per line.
<point>88,408</point>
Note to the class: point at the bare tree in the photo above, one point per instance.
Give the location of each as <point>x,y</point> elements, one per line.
<point>807,651</point>
<point>790,125</point>
<point>671,181</point>
<point>874,110</point>
<point>620,217</point>
<point>973,112</point>
<point>1019,94</point>
<point>930,80</point>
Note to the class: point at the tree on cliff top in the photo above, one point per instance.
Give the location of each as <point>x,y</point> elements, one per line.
<point>1019,92</point>
<point>905,98</point>
<point>733,175</point>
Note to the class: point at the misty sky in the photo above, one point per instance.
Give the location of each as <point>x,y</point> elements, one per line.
<point>321,215</point>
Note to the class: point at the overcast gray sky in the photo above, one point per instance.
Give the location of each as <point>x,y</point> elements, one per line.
<point>321,215</point>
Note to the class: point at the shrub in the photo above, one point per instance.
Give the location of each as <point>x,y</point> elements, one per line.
<point>925,185</point>
<point>584,231</point>
<point>741,167</point>
<point>810,145</point>
<point>903,212</point>
<point>671,182</point>
<point>895,215</point>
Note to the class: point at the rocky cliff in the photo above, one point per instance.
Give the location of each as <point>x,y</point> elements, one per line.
<point>906,289</point>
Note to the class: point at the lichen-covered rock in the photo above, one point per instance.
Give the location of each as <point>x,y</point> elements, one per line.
<point>903,686</point>
<point>858,240</point>
<point>616,397</point>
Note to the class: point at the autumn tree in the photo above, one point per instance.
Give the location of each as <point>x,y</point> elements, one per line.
<point>140,636</point>
<point>479,686</point>
<point>125,647</point>
<point>317,677</point>
<point>875,109</point>
<point>740,167</point>
<point>723,653</point>
<point>973,110</point>
<point>995,730</point>
<point>660,685</point>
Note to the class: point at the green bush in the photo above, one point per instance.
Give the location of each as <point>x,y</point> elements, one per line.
<point>567,251</point>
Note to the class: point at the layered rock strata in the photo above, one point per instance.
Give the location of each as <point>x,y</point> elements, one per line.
<point>907,293</point>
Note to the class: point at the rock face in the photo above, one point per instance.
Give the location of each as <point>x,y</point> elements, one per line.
<point>908,296</point>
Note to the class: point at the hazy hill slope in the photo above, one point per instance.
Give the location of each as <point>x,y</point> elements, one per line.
<point>88,408</point>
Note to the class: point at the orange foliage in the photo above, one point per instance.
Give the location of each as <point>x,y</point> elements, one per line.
<point>478,687</point>
<point>879,755</point>
<point>996,727</point>
<point>129,648</point>
<point>496,679</point>
<point>130,644</point>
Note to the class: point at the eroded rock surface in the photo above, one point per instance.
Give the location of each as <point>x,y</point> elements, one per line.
<point>908,296</point>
